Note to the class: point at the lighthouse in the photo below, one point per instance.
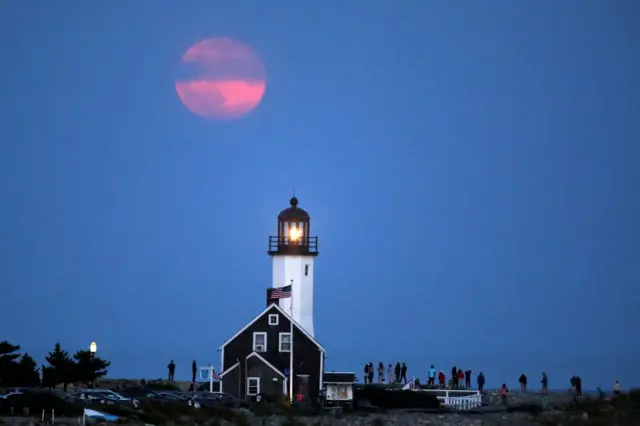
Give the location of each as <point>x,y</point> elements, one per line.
<point>293,252</point>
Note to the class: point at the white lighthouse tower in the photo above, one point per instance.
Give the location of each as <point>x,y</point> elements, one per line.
<point>293,252</point>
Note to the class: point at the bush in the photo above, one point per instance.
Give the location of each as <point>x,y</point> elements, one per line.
<point>391,398</point>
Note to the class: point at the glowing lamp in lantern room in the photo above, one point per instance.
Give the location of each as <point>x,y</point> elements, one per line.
<point>93,347</point>
<point>294,234</point>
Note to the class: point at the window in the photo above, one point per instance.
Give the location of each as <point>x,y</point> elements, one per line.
<point>285,342</point>
<point>306,270</point>
<point>253,385</point>
<point>274,319</point>
<point>260,341</point>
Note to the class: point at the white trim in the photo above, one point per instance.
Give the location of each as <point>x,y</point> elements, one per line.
<point>280,336</point>
<point>257,379</point>
<point>267,363</point>
<point>321,371</point>
<point>227,371</point>
<point>275,317</point>
<point>221,367</point>
<point>279,309</point>
<point>256,334</point>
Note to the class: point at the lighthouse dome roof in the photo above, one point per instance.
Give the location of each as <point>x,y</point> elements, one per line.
<point>293,213</point>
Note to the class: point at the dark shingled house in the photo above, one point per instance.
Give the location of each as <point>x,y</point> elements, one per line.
<point>256,360</point>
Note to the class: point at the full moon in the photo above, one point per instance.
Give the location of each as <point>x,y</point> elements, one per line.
<point>221,79</point>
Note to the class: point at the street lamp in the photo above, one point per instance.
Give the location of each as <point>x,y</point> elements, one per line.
<point>93,348</point>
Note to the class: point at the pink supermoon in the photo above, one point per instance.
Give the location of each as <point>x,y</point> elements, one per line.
<point>222,79</point>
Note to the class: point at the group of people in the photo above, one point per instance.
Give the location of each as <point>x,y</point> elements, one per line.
<point>397,374</point>
<point>194,371</point>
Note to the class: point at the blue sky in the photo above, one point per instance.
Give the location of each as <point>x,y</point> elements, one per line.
<point>470,169</point>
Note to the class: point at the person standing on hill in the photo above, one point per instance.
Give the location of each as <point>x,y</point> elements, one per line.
<point>172,370</point>
<point>441,379</point>
<point>397,372</point>
<point>460,379</point>
<point>194,370</point>
<point>467,379</point>
<point>578,386</point>
<point>390,373</point>
<point>523,383</point>
<point>403,372</point>
<point>380,372</point>
<point>371,372</point>
<point>616,388</point>
<point>432,376</point>
<point>454,378</point>
<point>545,383</point>
<point>481,381</point>
<point>503,393</point>
<point>366,374</point>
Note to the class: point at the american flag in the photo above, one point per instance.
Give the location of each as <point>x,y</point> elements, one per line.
<point>281,292</point>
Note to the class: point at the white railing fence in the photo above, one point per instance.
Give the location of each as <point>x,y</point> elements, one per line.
<point>458,399</point>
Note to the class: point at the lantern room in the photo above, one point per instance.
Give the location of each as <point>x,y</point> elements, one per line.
<point>294,230</point>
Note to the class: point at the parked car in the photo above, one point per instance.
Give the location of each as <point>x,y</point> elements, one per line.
<point>231,401</point>
<point>145,395</point>
<point>106,396</point>
<point>38,400</point>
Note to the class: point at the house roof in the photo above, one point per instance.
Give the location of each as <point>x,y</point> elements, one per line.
<point>229,369</point>
<point>267,363</point>
<point>261,314</point>
<point>334,377</point>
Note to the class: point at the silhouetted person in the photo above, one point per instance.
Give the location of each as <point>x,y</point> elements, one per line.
<point>460,378</point>
<point>545,383</point>
<point>616,388</point>
<point>403,372</point>
<point>192,388</point>
<point>380,372</point>
<point>523,383</point>
<point>467,379</point>
<point>441,379</point>
<point>194,370</point>
<point>503,393</point>
<point>366,373</point>
<point>390,373</point>
<point>172,370</point>
<point>371,372</point>
<point>578,386</point>
<point>397,372</point>
<point>454,378</point>
<point>432,376</point>
<point>481,381</point>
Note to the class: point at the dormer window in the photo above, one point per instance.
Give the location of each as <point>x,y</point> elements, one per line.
<point>274,319</point>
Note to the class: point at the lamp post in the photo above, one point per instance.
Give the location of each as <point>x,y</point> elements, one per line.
<point>93,348</point>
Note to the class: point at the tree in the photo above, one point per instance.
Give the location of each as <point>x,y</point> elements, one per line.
<point>62,368</point>
<point>8,358</point>
<point>27,373</point>
<point>89,367</point>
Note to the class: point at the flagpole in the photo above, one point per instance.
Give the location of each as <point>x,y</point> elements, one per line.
<point>291,348</point>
